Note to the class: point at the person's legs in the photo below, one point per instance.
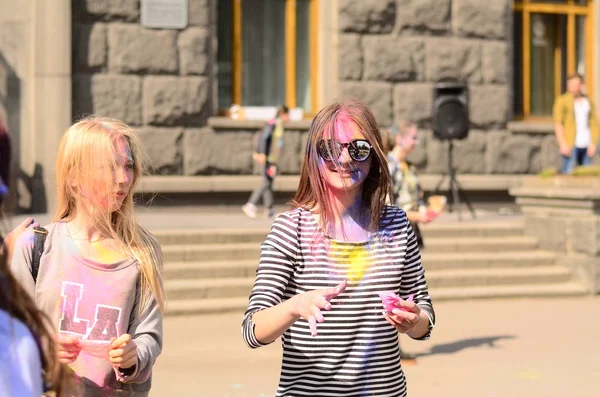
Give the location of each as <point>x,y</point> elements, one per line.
<point>568,162</point>
<point>250,207</point>
<point>582,157</point>
<point>267,196</point>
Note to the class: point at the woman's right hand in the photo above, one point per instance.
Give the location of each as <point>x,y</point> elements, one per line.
<point>69,348</point>
<point>308,305</point>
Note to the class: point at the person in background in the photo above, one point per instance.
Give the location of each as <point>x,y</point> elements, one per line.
<point>5,159</point>
<point>29,364</point>
<point>406,191</point>
<point>267,155</point>
<point>326,262</point>
<point>100,272</point>
<point>575,125</point>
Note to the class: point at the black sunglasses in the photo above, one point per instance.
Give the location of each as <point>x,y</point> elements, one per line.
<point>358,149</point>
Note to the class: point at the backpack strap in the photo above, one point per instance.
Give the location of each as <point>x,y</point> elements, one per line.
<point>38,248</point>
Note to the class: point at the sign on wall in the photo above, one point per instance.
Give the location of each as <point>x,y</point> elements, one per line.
<point>167,14</point>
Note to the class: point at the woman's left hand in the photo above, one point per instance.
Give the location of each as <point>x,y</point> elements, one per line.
<point>404,320</point>
<point>123,352</point>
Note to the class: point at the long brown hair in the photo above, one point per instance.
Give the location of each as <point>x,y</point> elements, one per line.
<point>88,145</point>
<point>312,191</point>
<point>19,305</point>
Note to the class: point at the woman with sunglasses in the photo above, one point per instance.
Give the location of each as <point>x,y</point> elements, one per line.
<point>325,262</point>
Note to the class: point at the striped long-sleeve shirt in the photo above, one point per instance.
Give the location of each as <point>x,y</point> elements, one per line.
<point>356,351</point>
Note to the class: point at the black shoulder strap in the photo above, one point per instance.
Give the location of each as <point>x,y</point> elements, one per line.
<point>38,248</point>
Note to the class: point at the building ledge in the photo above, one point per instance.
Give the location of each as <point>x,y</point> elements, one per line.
<point>522,127</point>
<point>225,123</point>
<point>289,183</point>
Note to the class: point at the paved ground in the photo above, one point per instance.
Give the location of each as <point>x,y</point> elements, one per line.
<point>232,217</point>
<point>499,348</point>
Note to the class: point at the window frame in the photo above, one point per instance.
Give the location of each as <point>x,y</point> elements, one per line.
<point>290,54</point>
<point>571,10</point>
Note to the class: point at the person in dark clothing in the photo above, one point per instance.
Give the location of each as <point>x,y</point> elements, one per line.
<point>267,155</point>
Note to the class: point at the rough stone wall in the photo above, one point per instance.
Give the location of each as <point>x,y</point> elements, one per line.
<point>392,52</point>
<point>158,80</point>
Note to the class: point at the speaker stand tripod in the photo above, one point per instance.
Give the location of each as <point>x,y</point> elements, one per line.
<point>456,192</point>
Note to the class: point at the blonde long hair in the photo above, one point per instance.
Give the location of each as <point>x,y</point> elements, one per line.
<point>312,191</point>
<point>87,147</point>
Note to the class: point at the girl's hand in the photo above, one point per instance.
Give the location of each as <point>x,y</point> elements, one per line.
<point>69,348</point>
<point>123,352</point>
<point>308,305</point>
<point>404,321</point>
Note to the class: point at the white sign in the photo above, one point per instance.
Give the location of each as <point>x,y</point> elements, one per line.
<point>167,14</point>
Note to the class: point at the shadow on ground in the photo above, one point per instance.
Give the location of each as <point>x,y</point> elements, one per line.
<point>450,348</point>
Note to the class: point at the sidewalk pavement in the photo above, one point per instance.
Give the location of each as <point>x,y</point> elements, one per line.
<point>487,348</point>
<point>228,217</point>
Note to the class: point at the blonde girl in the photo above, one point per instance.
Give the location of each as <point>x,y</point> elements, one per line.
<point>325,262</point>
<point>100,273</point>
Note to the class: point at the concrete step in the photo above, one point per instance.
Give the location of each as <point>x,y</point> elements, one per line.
<point>238,251</point>
<point>240,286</point>
<point>258,234</point>
<point>471,260</point>
<point>498,276</point>
<point>211,252</point>
<point>210,236</point>
<point>216,269</point>
<point>209,288</point>
<point>480,244</point>
<point>238,304</point>
<point>572,288</point>
<point>513,227</point>
<point>431,261</point>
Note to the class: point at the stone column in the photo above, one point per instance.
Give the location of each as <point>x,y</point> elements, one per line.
<point>51,93</point>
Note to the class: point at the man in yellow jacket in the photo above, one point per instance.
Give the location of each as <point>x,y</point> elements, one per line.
<point>575,125</point>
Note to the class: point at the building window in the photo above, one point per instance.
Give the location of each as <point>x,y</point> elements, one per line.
<point>267,53</point>
<point>549,44</point>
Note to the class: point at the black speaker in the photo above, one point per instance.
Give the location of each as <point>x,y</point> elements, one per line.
<point>450,110</point>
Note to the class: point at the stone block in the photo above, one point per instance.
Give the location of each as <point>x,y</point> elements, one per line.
<point>454,59</point>
<point>584,236</point>
<point>194,51</point>
<point>413,102</point>
<point>170,100</point>
<point>133,49</point>
<point>367,16</point>
<point>108,95</point>
<point>469,154</point>
<point>488,105</point>
<point>551,232</point>
<point>128,10</point>
<point>481,18</point>
<point>89,47</point>
<point>495,61</point>
<point>424,15</point>
<point>209,152</point>
<point>549,155</point>
<point>535,161</point>
<point>437,155</point>
<point>393,59</point>
<point>351,57</point>
<point>376,95</point>
<point>507,153</point>
<point>199,13</point>
<point>163,146</point>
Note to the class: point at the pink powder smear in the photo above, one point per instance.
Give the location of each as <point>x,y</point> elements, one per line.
<point>389,299</point>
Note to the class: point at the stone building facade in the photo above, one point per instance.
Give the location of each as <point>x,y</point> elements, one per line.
<point>388,53</point>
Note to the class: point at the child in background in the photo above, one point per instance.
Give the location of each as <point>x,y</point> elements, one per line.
<point>100,274</point>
